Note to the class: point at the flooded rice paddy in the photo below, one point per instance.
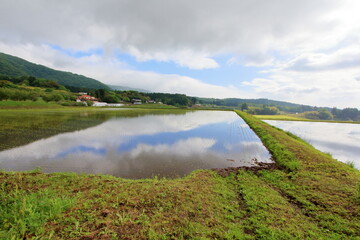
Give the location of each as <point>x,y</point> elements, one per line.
<point>128,144</point>
<point>341,140</point>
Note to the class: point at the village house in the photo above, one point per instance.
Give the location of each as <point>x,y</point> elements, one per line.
<point>86,98</point>
<point>136,101</point>
<point>104,104</point>
<point>99,104</point>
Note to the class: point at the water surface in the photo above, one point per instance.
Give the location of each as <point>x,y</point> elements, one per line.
<point>341,140</point>
<point>144,145</point>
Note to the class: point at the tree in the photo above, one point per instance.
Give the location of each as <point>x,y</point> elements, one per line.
<point>325,115</point>
<point>244,106</point>
<point>100,93</point>
<point>350,114</point>
<point>110,98</point>
<point>31,80</point>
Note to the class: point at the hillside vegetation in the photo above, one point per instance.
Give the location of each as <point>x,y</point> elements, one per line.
<point>19,91</point>
<point>306,195</point>
<point>34,89</point>
<point>16,67</point>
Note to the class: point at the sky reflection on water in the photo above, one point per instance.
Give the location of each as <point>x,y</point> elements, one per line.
<point>138,147</point>
<point>341,140</point>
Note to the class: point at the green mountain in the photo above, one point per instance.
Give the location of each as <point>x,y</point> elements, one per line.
<point>237,102</point>
<point>14,66</point>
<point>123,88</point>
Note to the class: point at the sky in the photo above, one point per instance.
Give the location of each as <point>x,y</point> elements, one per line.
<point>305,52</point>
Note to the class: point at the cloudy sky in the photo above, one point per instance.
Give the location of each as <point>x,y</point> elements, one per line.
<point>299,51</point>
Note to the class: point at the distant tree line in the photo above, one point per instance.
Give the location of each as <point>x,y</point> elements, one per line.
<point>17,88</point>
<point>346,114</point>
<point>179,100</point>
<point>257,105</point>
<point>264,110</point>
<point>321,114</point>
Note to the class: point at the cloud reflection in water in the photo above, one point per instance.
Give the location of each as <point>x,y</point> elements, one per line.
<point>138,147</point>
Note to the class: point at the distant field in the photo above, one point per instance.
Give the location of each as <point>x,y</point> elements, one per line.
<point>150,106</point>
<point>280,117</point>
<point>293,118</point>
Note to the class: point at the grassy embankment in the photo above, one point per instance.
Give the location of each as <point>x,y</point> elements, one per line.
<point>295,118</point>
<point>309,196</point>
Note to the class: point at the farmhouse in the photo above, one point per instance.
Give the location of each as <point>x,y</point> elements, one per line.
<point>136,101</point>
<point>99,104</point>
<point>85,98</point>
<point>114,104</point>
<point>104,104</point>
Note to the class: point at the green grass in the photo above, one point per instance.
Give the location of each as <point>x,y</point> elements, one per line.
<point>27,104</point>
<point>308,196</point>
<point>283,156</point>
<point>270,215</point>
<point>201,205</point>
<point>351,164</point>
<point>323,189</point>
<point>24,214</point>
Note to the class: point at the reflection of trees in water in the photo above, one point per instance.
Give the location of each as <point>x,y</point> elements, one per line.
<point>23,128</point>
<point>20,128</point>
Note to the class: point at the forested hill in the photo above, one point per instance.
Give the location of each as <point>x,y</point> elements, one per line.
<point>16,67</point>
<point>123,88</point>
<point>237,102</point>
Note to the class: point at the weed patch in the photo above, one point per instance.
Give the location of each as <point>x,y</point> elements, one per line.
<point>23,214</point>
<point>201,205</point>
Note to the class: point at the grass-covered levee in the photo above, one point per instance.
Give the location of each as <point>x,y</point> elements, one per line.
<point>308,195</point>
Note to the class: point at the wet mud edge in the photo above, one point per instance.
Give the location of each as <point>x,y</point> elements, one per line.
<point>224,172</point>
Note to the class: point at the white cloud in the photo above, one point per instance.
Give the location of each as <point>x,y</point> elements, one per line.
<point>322,88</point>
<point>174,28</point>
<point>112,71</point>
<point>184,58</point>
<point>309,48</point>
<point>184,147</point>
<point>344,58</point>
<point>255,60</point>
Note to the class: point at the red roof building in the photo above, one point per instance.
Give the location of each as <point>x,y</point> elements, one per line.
<point>86,98</point>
